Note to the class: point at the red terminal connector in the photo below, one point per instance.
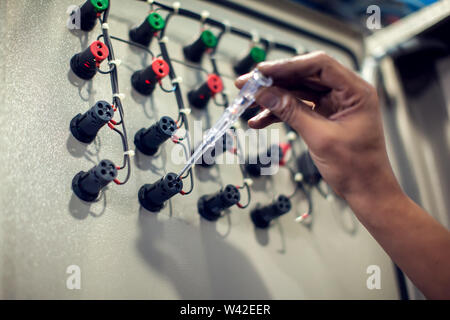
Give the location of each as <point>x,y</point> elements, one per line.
<point>99,51</point>
<point>199,97</point>
<point>145,80</point>
<point>86,63</point>
<point>160,68</point>
<point>215,84</point>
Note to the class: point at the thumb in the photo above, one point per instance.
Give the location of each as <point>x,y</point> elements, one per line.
<point>291,110</point>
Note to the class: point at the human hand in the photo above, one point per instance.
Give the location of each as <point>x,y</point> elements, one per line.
<point>338,115</point>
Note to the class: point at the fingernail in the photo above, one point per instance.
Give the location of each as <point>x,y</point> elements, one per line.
<point>269,100</point>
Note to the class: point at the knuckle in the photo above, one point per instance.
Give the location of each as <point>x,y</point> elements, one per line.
<point>323,56</point>
<point>287,111</point>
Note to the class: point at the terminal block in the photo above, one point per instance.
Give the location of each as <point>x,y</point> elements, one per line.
<point>264,160</point>
<point>85,127</point>
<point>148,140</point>
<point>200,97</point>
<point>145,32</point>
<point>144,81</point>
<point>86,63</point>
<point>153,196</point>
<point>210,207</point>
<point>87,185</point>
<point>255,56</point>
<point>90,11</point>
<point>262,216</point>
<point>194,52</point>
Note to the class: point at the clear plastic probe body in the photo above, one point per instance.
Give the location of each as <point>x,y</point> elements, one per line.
<point>245,98</point>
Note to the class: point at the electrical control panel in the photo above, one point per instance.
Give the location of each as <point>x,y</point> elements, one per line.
<point>118,94</point>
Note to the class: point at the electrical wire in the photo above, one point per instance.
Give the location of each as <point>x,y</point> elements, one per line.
<point>249,196</point>
<point>116,100</point>
<point>179,98</point>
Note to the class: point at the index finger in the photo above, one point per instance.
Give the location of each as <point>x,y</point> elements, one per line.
<point>325,71</point>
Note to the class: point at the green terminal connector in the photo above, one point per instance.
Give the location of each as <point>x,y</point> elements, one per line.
<point>100,5</point>
<point>156,21</point>
<point>258,54</point>
<point>209,39</point>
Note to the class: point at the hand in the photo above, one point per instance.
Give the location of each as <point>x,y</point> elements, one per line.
<point>337,114</point>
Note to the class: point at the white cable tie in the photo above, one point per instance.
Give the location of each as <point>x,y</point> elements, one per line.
<point>186,111</point>
<point>300,50</point>
<point>177,80</point>
<point>121,96</point>
<point>116,62</point>
<point>105,26</point>
<point>291,136</point>
<point>227,25</point>
<point>176,7</point>
<point>248,181</point>
<point>205,14</point>
<point>165,39</point>
<point>255,36</point>
<point>271,41</point>
<point>130,153</point>
<point>298,177</point>
<point>74,20</point>
<point>150,2</point>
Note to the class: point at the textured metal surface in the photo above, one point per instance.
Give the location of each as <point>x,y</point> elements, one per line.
<point>124,252</point>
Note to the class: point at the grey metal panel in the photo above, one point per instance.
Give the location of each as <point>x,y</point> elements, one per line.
<point>122,251</point>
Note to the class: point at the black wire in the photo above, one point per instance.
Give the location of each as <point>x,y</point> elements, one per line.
<point>243,171</point>
<point>134,44</point>
<point>174,87</point>
<point>179,99</point>
<point>116,101</point>
<point>321,192</point>
<point>189,172</point>
<point>107,72</point>
<point>192,66</point>
<point>249,196</point>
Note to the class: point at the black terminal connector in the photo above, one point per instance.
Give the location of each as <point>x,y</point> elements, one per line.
<point>222,145</point>
<point>86,63</point>
<point>153,196</point>
<point>255,56</point>
<point>210,207</point>
<point>200,97</point>
<point>148,140</point>
<point>87,185</point>
<point>262,217</point>
<point>145,32</point>
<point>194,52</point>
<point>85,127</point>
<point>264,160</point>
<point>308,169</point>
<point>144,81</point>
<point>89,13</point>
